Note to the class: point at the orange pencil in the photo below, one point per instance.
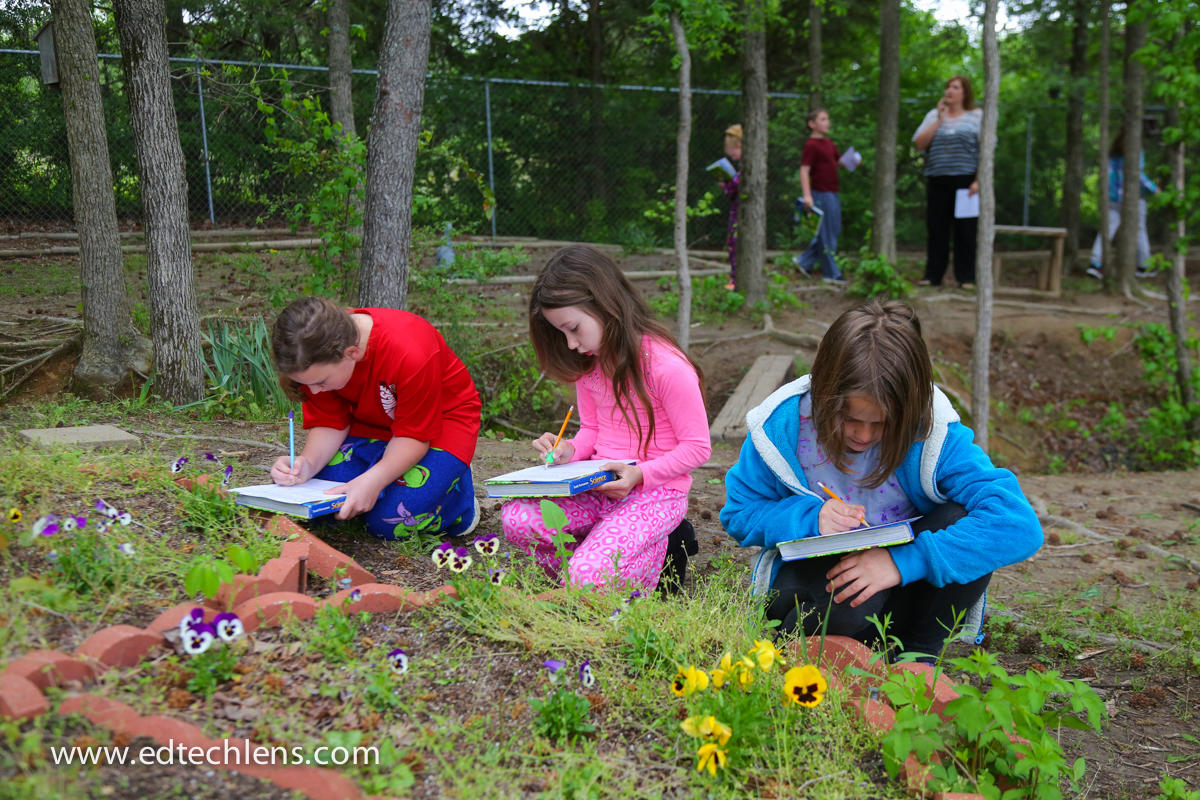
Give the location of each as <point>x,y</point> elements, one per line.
<point>550,455</point>
<point>829,492</point>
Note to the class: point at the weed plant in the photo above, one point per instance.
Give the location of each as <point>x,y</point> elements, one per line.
<point>874,276</point>
<point>240,372</point>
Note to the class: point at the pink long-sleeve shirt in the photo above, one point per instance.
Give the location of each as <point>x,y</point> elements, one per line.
<point>681,439</point>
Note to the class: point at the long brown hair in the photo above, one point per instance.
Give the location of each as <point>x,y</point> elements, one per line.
<point>310,331</point>
<point>874,350</point>
<point>968,92</point>
<point>583,276</point>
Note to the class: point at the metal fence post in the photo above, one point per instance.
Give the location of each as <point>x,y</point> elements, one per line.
<point>204,141</point>
<point>487,104</point>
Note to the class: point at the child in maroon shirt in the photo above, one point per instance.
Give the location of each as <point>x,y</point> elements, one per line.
<point>819,183</point>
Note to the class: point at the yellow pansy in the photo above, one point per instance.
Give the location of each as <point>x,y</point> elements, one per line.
<point>745,671</point>
<point>14,515</point>
<point>723,672</point>
<point>688,680</point>
<point>766,653</point>
<point>711,757</point>
<point>804,685</point>
<point>709,729</point>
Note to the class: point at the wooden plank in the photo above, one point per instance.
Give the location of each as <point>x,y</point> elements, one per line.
<point>1031,230</point>
<point>766,375</point>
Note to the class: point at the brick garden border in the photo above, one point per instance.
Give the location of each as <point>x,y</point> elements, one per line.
<point>273,595</point>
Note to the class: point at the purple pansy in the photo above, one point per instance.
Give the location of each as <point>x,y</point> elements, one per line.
<point>126,548</point>
<point>80,522</point>
<point>211,457</point>
<point>228,626</point>
<point>67,524</point>
<point>553,667</point>
<point>191,620</point>
<point>441,554</point>
<point>124,518</point>
<point>198,638</point>
<point>398,660</point>
<point>460,560</point>
<point>487,544</point>
<point>228,475</point>
<point>496,576</point>
<point>355,596</point>
<point>178,464</point>
<point>105,509</point>
<point>586,676</point>
<point>46,525</point>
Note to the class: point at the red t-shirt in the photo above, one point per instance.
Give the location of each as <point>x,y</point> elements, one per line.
<point>821,157</point>
<point>409,383</point>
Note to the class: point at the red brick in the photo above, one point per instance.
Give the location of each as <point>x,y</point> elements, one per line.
<point>295,550</point>
<point>328,562</point>
<point>443,592</point>
<point>317,783</point>
<point>943,690</point>
<point>106,712</point>
<point>916,774</point>
<point>44,668</point>
<point>958,796</point>
<point>285,527</point>
<point>283,572</point>
<point>269,610</point>
<point>878,716</point>
<point>20,698</point>
<point>377,598</point>
<point>120,645</point>
<point>169,731</point>
<point>244,587</point>
<point>169,619</point>
<point>838,653</point>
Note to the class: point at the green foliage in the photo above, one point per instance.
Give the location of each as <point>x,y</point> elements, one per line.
<point>335,632</point>
<point>208,573</point>
<point>874,276</point>
<point>563,716</point>
<point>647,649</point>
<point>711,301</point>
<point>555,519</point>
<point>211,669</point>
<point>973,739</point>
<point>240,373</point>
<point>1163,438</point>
<point>1089,334</point>
<point>311,149</point>
<point>90,563</point>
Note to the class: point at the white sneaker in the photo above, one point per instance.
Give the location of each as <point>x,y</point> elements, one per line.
<point>1095,272</point>
<point>835,281</point>
<point>1143,272</point>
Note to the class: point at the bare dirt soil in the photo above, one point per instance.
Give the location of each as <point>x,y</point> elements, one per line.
<point>1108,529</point>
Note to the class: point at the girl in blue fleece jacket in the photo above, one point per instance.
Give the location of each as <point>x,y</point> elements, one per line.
<point>869,424</point>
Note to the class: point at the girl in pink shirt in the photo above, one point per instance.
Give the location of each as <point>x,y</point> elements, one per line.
<point>639,397</point>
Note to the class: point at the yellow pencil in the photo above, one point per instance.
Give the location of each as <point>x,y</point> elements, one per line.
<point>829,492</point>
<point>566,419</point>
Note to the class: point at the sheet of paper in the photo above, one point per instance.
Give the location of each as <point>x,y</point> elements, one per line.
<point>311,491</point>
<point>966,204</point>
<point>555,473</point>
<point>850,159</point>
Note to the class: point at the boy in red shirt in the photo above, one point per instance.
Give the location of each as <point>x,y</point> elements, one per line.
<point>819,183</point>
<point>390,410</point>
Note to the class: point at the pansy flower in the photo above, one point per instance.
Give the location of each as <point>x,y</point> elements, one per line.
<point>744,669</point>
<point>80,522</point>
<point>586,676</point>
<point>212,458</point>
<point>228,475</point>
<point>124,518</point>
<point>228,626</point>
<point>105,509</point>
<point>709,729</point>
<point>487,544</point>
<point>198,638</point>
<point>552,667</point>
<point>103,525</point>
<point>355,596</point>
<point>723,672</point>
<point>634,595</point>
<point>191,620</point>
<point>766,653</point>
<point>441,555</point>
<point>496,576</point>
<point>689,680</point>
<point>126,548</point>
<point>460,560</point>
<point>178,464</point>
<point>804,685</point>
<point>46,525</point>
<point>710,757</point>
<point>398,660</point>
<point>14,515</point>
<point>67,524</point>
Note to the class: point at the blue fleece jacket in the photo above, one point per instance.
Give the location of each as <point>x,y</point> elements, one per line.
<point>768,500</point>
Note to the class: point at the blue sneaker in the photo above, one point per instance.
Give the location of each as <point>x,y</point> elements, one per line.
<point>1095,272</point>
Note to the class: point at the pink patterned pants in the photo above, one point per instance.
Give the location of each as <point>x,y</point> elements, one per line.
<point>624,539</point>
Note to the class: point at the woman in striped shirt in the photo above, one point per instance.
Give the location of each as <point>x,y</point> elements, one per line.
<point>949,137</point>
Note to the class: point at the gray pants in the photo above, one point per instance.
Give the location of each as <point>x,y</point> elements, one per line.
<point>1114,221</point>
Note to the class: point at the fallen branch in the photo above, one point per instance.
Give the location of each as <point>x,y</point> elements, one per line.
<point>1053,520</point>
<point>1190,563</point>
<point>806,340</point>
<point>226,439</point>
<point>517,428</point>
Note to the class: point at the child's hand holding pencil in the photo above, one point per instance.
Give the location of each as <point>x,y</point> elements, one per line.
<point>552,449</point>
<point>837,515</point>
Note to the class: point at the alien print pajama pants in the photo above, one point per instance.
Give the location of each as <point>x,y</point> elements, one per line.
<point>621,541</point>
<point>435,496</point>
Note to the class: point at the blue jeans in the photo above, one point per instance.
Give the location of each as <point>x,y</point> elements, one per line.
<point>435,496</point>
<point>824,244</point>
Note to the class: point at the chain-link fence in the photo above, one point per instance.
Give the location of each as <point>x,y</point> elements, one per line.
<point>565,161</point>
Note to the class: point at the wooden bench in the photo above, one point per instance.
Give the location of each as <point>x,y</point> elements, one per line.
<point>767,374</point>
<point>1050,271</point>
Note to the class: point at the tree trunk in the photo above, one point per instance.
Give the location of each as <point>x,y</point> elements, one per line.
<point>981,356</point>
<point>883,190</point>
<point>683,139</point>
<point>111,345</point>
<point>1106,254</point>
<point>341,97</point>
<point>599,188</point>
<point>392,154</point>
<point>814,55</point>
<point>1073,175</point>
<point>752,217</point>
<point>1135,80</point>
<point>174,318</point>
<point>1176,302</point>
